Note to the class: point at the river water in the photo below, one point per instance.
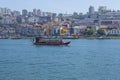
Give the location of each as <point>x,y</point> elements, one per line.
<point>82,60</point>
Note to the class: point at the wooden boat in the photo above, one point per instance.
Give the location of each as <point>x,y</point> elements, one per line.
<point>49,41</point>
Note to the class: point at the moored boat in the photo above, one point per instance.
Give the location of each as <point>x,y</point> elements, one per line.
<point>49,41</point>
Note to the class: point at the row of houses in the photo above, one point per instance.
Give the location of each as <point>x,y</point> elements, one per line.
<point>23,31</point>
<point>56,29</point>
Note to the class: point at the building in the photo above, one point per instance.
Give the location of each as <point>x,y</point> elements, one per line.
<point>24,12</point>
<point>33,19</point>
<point>16,13</point>
<point>91,10</point>
<point>110,15</point>
<point>45,19</point>
<point>0,10</point>
<point>8,12</point>
<point>30,14</point>
<point>43,14</point>
<point>39,13</point>
<point>56,31</point>
<point>8,20</point>
<point>34,12</point>
<point>5,11</point>
<point>114,32</point>
<point>102,9</point>
<point>54,15</point>
<point>29,30</point>
<point>110,30</point>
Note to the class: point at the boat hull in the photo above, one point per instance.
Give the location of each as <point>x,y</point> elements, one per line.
<point>51,43</point>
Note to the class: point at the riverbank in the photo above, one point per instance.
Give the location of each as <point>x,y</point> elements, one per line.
<point>100,37</point>
<point>64,37</point>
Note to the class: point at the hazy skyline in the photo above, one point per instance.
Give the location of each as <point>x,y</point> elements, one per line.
<point>59,6</point>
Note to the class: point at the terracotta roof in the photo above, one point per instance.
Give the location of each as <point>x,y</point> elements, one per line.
<point>103,27</point>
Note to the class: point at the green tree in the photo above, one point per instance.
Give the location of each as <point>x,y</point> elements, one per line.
<point>90,31</point>
<point>101,32</point>
<point>68,19</point>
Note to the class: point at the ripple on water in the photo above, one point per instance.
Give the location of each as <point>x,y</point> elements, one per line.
<point>82,60</point>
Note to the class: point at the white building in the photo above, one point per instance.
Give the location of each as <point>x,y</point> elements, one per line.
<point>33,19</point>
<point>112,31</point>
<point>16,13</point>
<point>5,11</point>
<point>8,20</point>
<point>34,11</point>
<point>91,10</point>
<point>39,13</point>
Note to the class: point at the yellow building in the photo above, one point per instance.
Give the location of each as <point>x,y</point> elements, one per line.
<point>63,31</point>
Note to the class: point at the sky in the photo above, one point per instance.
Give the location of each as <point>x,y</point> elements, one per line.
<point>59,6</point>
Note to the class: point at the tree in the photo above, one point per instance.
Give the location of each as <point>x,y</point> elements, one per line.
<point>67,19</point>
<point>101,32</point>
<point>90,31</point>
